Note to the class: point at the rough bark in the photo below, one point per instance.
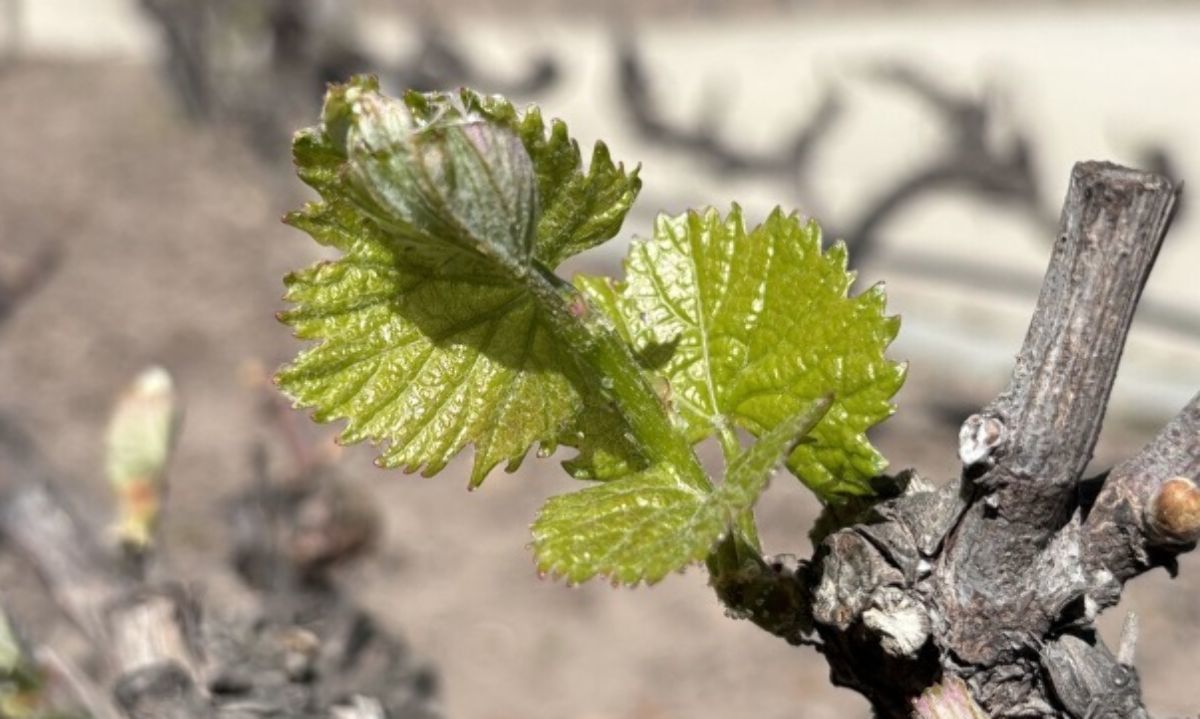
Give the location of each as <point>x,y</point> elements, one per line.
<point>1145,513</point>
<point>993,581</point>
<point>1041,431</point>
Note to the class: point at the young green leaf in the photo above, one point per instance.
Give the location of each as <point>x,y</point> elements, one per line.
<point>435,324</point>
<point>644,526</point>
<point>761,324</point>
<point>427,363</point>
<point>637,528</point>
<point>747,475</point>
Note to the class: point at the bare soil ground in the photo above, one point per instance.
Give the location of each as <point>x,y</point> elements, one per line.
<point>173,253</point>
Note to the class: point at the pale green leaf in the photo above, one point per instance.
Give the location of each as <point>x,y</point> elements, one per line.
<point>644,526</point>
<point>638,528</point>
<point>427,363</point>
<point>748,473</point>
<point>430,336</point>
<point>761,325</point>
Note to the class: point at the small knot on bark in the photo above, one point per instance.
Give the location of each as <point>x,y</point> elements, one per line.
<point>1174,514</point>
<point>979,438</point>
<point>901,623</point>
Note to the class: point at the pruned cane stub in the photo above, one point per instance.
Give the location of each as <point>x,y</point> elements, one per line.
<point>994,580</point>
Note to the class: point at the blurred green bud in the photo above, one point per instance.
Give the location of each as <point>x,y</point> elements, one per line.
<point>20,680</point>
<point>10,647</point>
<point>141,436</point>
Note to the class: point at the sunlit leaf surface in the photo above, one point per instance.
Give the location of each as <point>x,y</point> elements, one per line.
<point>761,324</point>
<point>430,340</point>
<point>642,527</point>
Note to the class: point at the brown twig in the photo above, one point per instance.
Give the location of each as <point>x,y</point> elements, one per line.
<point>1114,221</point>
<point>1146,512</point>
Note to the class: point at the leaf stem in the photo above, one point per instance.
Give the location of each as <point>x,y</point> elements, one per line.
<point>614,372</point>
<point>731,447</point>
<point>745,525</point>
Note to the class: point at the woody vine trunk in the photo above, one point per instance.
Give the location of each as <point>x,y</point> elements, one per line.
<point>990,585</point>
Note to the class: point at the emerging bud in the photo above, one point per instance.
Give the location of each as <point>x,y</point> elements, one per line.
<point>141,435</point>
<point>1174,514</point>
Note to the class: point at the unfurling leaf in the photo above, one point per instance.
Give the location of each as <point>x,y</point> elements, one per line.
<point>761,324</point>
<point>638,528</point>
<point>579,210</point>
<point>644,526</point>
<point>446,209</point>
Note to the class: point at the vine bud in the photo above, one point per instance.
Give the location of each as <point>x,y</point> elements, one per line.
<point>1174,514</point>
<point>141,435</point>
